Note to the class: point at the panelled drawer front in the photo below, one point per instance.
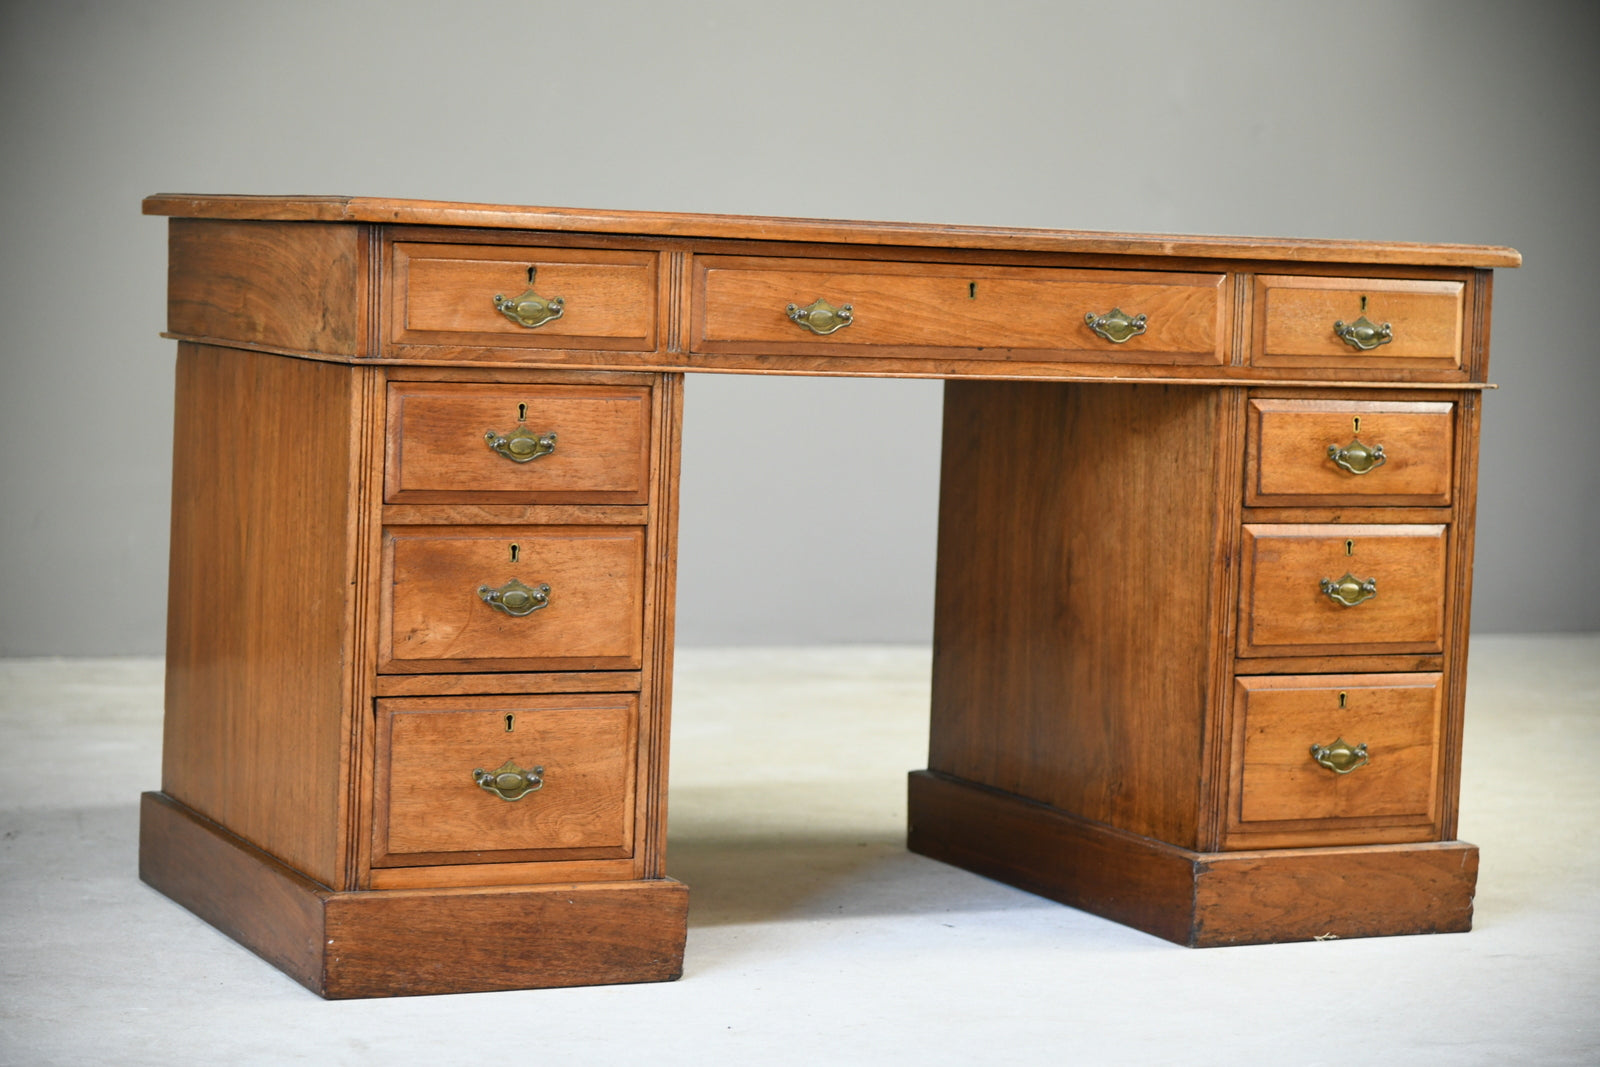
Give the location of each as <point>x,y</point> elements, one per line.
<point>442,440</point>
<point>445,295</point>
<point>1284,609</point>
<point>1391,723</point>
<point>436,617</point>
<point>742,301</point>
<point>1296,318</point>
<point>1395,453</point>
<point>430,809</point>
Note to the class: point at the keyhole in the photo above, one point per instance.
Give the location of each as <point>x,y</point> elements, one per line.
<point>522,413</point>
<point>972,290</point>
<point>1363,301</point>
<point>532,269</point>
<point>511,720</point>
<point>1342,697</point>
<point>1349,548</point>
<point>1356,422</point>
<point>515,550</point>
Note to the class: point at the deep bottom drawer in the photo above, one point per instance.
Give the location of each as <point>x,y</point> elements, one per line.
<point>1335,759</point>
<point>497,779</point>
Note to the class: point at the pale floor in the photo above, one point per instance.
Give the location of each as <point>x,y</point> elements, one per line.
<point>813,934</point>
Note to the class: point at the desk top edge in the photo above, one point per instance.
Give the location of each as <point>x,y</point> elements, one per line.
<point>740,227</point>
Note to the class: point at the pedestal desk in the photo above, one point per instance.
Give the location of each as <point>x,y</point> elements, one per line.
<point>1205,554</point>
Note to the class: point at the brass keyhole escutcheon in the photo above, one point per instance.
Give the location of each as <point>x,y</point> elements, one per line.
<point>516,550</point>
<point>522,415</point>
<point>511,722</point>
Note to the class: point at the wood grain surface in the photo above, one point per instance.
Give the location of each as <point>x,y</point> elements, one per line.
<point>298,288</point>
<point>258,611</point>
<point>1079,559</point>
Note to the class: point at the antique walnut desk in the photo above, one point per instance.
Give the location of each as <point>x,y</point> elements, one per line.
<point>1205,550</point>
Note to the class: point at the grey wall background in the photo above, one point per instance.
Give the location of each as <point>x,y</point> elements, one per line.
<point>808,505</point>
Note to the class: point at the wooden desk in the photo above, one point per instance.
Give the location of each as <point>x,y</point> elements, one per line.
<point>1205,554</point>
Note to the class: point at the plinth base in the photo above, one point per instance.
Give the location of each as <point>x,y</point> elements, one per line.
<point>1199,899</point>
<point>412,941</point>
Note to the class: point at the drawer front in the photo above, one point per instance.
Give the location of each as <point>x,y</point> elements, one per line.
<point>564,768</point>
<point>1369,452</point>
<point>447,295</point>
<point>1378,740</point>
<point>1390,579</point>
<point>1298,319</point>
<point>437,617</point>
<point>536,444</point>
<point>744,301</point>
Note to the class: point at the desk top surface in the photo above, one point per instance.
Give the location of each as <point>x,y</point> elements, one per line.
<point>359,209</point>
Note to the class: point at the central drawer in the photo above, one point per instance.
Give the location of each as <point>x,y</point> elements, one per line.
<point>982,311</point>
<point>512,598</point>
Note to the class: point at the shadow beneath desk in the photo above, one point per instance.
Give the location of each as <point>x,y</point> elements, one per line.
<point>735,880</point>
<point>752,855</point>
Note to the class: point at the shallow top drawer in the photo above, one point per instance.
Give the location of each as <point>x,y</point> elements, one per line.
<point>1366,323</point>
<point>801,306</point>
<point>496,296</point>
<point>537,444</point>
<point>1368,452</point>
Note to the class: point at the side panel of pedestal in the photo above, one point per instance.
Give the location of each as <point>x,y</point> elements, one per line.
<point>411,942</point>
<point>1192,898</point>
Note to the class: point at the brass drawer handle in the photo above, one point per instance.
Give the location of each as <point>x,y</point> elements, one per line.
<point>1349,590</point>
<point>1115,325</point>
<point>1363,334</point>
<point>1340,757</point>
<point>821,317</point>
<point>522,444</point>
<point>508,781</point>
<point>1356,457</point>
<point>517,599</point>
<point>530,309</point>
